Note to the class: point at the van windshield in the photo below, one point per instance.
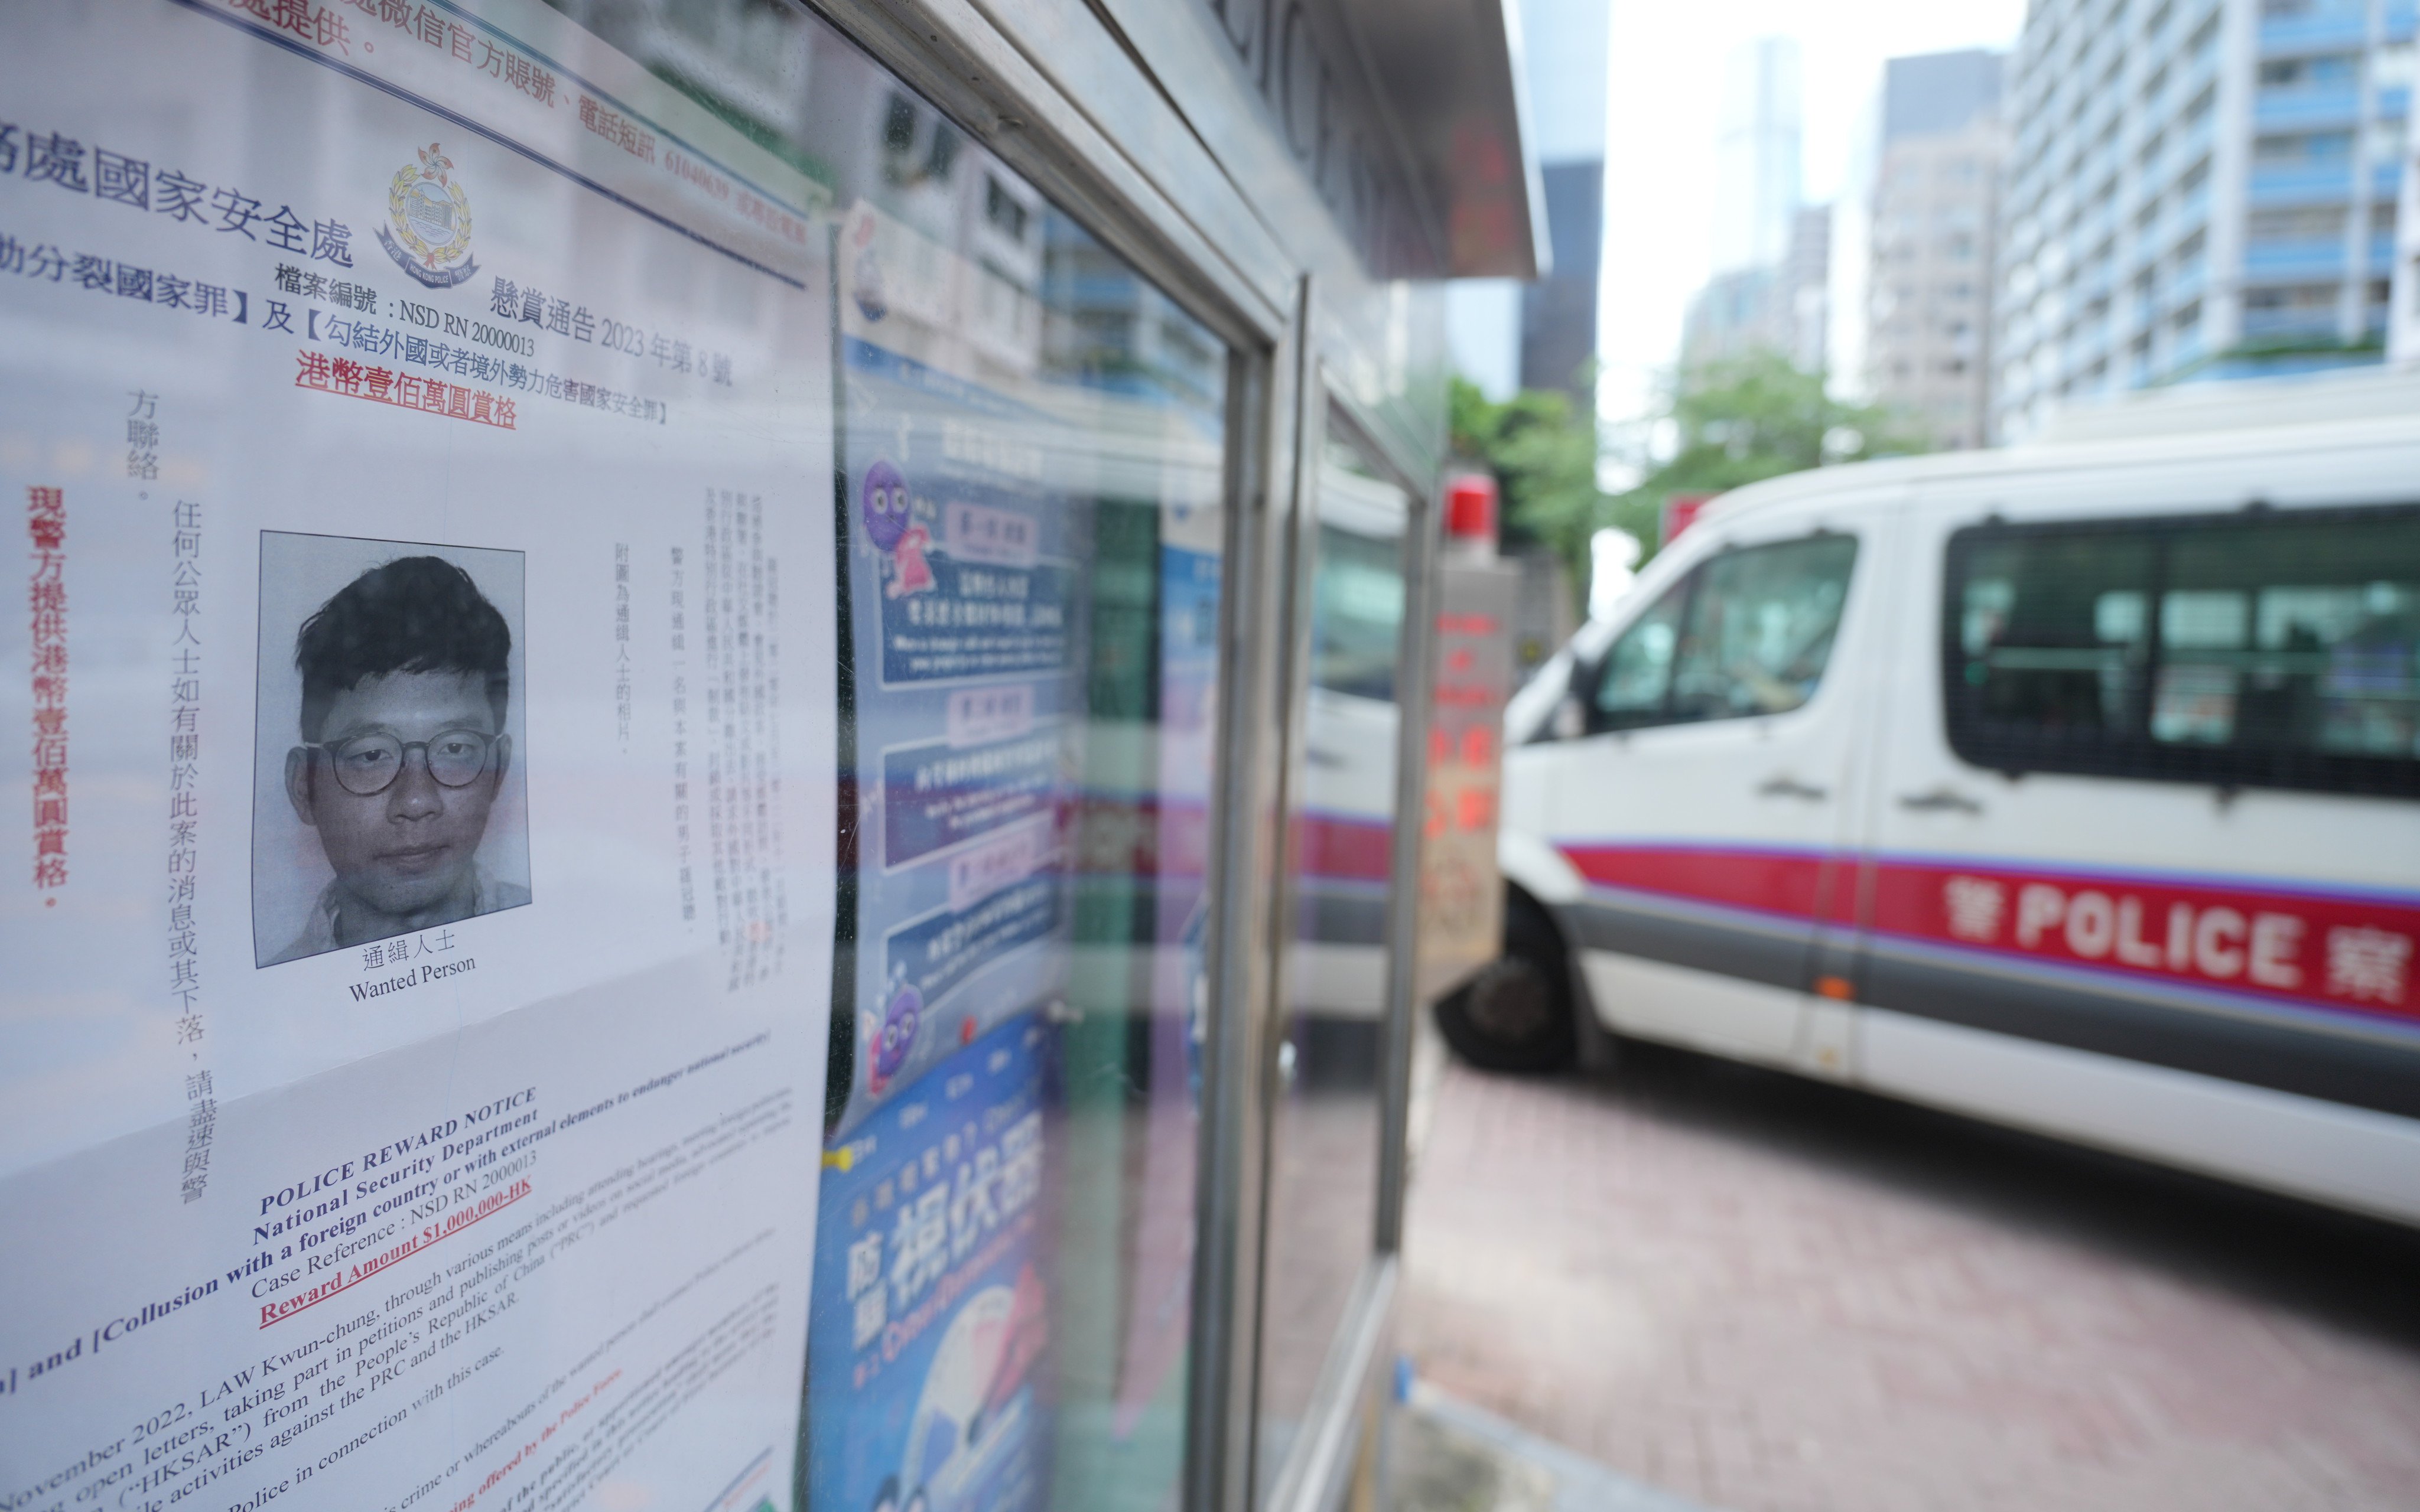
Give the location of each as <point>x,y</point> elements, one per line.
<point>1750,632</point>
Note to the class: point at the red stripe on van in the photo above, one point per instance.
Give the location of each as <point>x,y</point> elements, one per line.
<point>2336,953</point>
<point>1770,882</point>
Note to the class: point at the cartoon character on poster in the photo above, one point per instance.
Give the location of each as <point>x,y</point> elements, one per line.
<point>890,525</point>
<point>896,1034</point>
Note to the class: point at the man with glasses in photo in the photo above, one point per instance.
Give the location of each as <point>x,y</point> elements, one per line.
<point>405,685</point>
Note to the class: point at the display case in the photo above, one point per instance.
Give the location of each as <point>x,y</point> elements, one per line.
<point>720,726</point>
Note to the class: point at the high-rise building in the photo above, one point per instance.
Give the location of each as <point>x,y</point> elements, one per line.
<point>1757,156</point>
<point>1782,306</point>
<point>1806,274</point>
<point>1733,316</point>
<point>1930,280</point>
<point>1565,47</point>
<point>2197,189</point>
<point>1772,254</point>
<point>1559,310</point>
<point>1543,334</point>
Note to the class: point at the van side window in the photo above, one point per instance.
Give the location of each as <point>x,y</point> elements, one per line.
<point>2258,649</point>
<point>1750,632</point>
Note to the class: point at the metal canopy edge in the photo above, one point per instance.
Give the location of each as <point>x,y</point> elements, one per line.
<point>1209,250</point>
<point>1451,71</point>
<point>1398,126</point>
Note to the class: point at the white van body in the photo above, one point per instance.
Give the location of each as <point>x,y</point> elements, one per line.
<point>2116,916</point>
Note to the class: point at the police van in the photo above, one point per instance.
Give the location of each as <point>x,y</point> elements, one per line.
<point>2075,786</point>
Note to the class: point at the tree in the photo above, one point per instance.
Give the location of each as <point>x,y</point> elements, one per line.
<point>1734,422</point>
<point>1742,420</point>
<point>1542,455</point>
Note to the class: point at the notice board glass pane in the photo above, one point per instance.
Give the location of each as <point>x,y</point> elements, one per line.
<point>1325,1114</point>
<point>1029,441</point>
<point>614,703</point>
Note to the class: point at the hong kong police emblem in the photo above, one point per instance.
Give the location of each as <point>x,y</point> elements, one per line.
<point>428,229</point>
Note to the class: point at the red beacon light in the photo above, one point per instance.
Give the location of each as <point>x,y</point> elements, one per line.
<point>1471,510</point>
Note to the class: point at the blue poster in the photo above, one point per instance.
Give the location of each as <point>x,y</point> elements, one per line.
<point>928,1343</point>
<point>938,795</point>
<point>972,571</point>
<point>931,956</point>
<point>966,606</point>
<point>955,619</point>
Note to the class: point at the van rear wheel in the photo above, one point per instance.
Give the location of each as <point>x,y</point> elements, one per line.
<point>1515,1016</point>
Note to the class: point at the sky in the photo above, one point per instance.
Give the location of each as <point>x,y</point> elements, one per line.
<point>1664,89</point>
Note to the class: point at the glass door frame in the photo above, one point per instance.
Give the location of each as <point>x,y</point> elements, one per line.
<point>1196,235</point>
<point>1335,1446</point>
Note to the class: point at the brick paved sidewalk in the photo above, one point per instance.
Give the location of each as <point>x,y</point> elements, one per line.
<point>1768,1295</point>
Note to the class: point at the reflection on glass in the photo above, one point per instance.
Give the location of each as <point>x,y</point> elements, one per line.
<point>2054,631</point>
<point>1029,438</point>
<point>1325,1116</point>
<point>2294,635</point>
<point>2276,639</point>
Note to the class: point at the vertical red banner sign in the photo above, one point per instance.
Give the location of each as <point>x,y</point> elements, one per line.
<point>1462,893</point>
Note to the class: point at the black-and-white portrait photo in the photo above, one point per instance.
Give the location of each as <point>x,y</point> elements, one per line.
<point>389,799</point>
